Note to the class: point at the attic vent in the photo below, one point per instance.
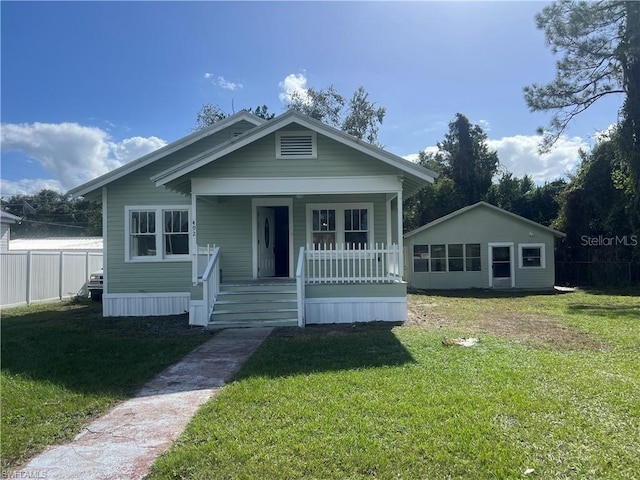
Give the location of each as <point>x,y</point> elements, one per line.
<point>296,145</point>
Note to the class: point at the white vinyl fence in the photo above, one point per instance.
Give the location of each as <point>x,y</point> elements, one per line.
<point>38,276</point>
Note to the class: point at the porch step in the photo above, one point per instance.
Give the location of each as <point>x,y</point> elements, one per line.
<point>291,322</point>
<point>252,304</point>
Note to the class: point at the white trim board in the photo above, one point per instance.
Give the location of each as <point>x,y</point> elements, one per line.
<point>295,185</point>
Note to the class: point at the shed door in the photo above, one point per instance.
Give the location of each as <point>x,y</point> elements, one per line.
<point>266,256</point>
<point>501,263</point>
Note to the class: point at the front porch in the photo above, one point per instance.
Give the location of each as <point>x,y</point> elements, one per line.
<point>331,284</point>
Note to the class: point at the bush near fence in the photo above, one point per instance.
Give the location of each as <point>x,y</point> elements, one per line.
<point>38,276</point>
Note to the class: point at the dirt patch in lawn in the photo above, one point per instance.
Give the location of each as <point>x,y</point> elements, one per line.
<point>527,328</point>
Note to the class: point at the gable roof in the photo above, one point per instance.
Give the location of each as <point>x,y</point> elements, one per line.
<point>491,207</point>
<point>414,170</point>
<point>156,155</point>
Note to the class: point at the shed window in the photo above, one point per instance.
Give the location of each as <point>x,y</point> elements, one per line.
<point>421,258</point>
<point>438,258</point>
<point>472,257</point>
<point>455,257</point>
<point>532,255</point>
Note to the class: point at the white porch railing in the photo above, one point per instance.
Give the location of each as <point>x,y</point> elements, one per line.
<point>200,262</point>
<point>377,263</point>
<point>300,283</point>
<point>211,281</point>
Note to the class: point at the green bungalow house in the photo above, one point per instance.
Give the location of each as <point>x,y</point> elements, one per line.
<point>481,246</point>
<point>279,222</point>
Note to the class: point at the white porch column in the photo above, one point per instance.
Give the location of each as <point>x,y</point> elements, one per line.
<point>193,240</point>
<point>400,236</point>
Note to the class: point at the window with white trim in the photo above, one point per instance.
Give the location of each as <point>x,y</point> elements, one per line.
<point>346,225</point>
<point>296,144</point>
<point>532,255</point>
<point>453,257</point>
<point>149,240</point>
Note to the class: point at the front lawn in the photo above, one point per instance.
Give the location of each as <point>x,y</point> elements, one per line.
<point>551,391</point>
<point>63,364</point>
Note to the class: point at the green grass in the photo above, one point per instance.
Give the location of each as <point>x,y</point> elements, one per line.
<point>391,402</point>
<point>63,364</point>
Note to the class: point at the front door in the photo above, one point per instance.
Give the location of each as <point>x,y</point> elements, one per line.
<point>266,229</point>
<point>501,263</point>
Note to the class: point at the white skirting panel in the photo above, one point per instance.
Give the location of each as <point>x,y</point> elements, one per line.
<point>197,313</point>
<point>144,304</point>
<point>355,309</point>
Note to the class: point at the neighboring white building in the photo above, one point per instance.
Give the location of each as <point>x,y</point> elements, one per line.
<point>57,243</point>
<point>6,220</point>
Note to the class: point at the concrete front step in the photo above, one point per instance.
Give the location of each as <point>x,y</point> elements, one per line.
<point>256,296</point>
<point>255,304</point>
<point>286,322</point>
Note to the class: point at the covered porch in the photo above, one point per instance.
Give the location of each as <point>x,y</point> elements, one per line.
<point>333,285</point>
<point>341,253</point>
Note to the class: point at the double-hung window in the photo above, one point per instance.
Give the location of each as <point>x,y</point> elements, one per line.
<point>156,233</point>
<point>340,226</point>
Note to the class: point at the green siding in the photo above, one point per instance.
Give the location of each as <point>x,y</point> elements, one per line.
<point>140,277</point>
<point>258,159</point>
<point>137,189</point>
<point>226,222</point>
<point>483,225</point>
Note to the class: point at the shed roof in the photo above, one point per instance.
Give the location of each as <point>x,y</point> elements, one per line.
<point>6,217</point>
<point>483,205</point>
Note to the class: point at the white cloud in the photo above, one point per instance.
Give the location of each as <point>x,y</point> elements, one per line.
<point>293,83</point>
<point>414,157</point>
<point>222,83</point>
<point>71,153</point>
<point>29,186</point>
<point>519,155</point>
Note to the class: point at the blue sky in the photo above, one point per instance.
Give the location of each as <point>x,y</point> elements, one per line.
<point>89,86</point>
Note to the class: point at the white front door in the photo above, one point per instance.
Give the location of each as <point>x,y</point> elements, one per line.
<point>266,256</point>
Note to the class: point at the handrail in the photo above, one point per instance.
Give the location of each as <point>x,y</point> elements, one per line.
<point>377,263</point>
<point>211,281</point>
<point>300,285</point>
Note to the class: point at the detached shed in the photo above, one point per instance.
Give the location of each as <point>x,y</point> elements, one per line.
<point>481,246</point>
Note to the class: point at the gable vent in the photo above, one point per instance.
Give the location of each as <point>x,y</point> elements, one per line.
<point>296,145</point>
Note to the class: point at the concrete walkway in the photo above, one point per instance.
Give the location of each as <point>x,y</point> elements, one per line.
<point>124,442</point>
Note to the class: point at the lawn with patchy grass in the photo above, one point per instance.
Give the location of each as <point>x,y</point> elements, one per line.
<point>63,364</point>
<point>551,391</point>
